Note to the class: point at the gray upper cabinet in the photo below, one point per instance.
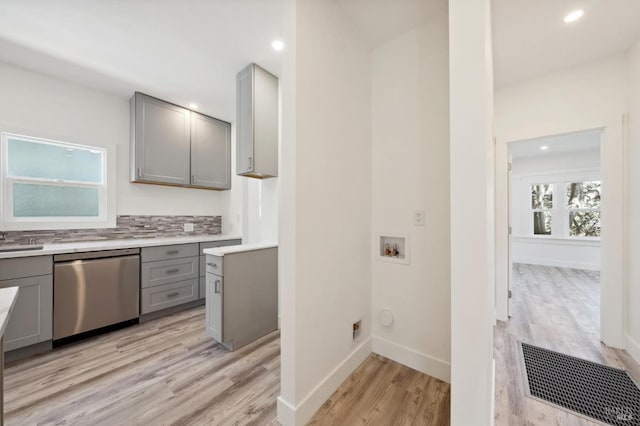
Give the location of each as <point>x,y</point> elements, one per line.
<point>160,148</point>
<point>210,152</point>
<point>171,145</point>
<point>257,123</point>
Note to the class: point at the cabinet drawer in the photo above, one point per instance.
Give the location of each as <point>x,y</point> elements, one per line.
<point>168,271</point>
<point>22,267</point>
<point>32,316</point>
<point>151,254</point>
<point>214,264</point>
<point>213,244</point>
<point>168,295</point>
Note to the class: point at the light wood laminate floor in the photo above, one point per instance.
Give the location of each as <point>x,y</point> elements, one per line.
<point>161,372</point>
<point>167,372</point>
<point>557,309</point>
<point>383,392</point>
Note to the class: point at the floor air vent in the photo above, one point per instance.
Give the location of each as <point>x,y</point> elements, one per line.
<point>602,393</point>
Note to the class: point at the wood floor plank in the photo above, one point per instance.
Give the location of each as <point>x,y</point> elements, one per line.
<point>383,392</point>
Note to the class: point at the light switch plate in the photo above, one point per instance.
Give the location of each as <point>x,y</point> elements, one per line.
<point>418,217</point>
<point>188,227</point>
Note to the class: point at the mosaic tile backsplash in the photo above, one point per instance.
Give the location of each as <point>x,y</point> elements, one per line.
<point>127,227</point>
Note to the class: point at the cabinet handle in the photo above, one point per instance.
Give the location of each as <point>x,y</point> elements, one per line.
<point>172,252</point>
<point>213,265</point>
<point>139,172</point>
<point>193,179</point>
<point>172,271</point>
<point>251,162</point>
<point>217,287</point>
<point>172,295</point>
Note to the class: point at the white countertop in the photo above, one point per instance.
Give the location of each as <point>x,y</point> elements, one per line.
<point>8,298</point>
<point>221,251</point>
<point>82,246</point>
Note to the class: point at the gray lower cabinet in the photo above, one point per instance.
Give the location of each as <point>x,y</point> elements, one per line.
<point>31,321</point>
<point>210,152</point>
<point>168,276</point>
<point>203,261</point>
<point>214,311</point>
<point>242,301</point>
<point>160,141</point>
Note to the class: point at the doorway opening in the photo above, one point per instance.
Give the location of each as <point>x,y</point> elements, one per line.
<point>555,193</point>
<point>562,198</point>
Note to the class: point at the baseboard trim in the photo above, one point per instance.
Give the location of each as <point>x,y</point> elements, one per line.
<point>291,415</point>
<point>633,348</point>
<point>558,263</point>
<point>424,363</point>
<point>286,412</point>
<point>492,420</point>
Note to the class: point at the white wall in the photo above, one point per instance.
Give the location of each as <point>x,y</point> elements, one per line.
<point>472,206</point>
<point>326,149</point>
<point>587,97</point>
<point>633,162</point>
<point>38,105</point>
<point>410,170</point>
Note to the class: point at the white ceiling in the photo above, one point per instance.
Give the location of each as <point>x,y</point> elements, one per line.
<point>570,142</point>
<point>180,51</point>
<point>189,51</point>
<point>530,37</point>
<point>383,20</point>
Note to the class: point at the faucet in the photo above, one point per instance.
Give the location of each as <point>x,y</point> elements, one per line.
<point>3,235</point>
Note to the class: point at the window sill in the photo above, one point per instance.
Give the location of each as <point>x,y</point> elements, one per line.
<point>544,239</point>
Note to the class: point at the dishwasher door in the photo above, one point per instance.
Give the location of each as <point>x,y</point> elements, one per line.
<point>90,294</point>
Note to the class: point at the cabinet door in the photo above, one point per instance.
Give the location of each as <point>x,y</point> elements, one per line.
<point>161,145</point>
<point>210,152</point>
<point>214,306</point>
<point>32,317</point>
<point>265,123</point>
<point>244,124</point>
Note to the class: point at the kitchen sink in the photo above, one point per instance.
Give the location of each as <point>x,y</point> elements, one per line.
<point>25,247</point>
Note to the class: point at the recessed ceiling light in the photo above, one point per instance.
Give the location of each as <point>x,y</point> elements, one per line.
<point>277,45</point>
<point>544,148</point>
<point>573,16</point>
<point>193,106</point>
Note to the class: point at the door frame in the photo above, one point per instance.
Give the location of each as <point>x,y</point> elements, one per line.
<point>613,238</point>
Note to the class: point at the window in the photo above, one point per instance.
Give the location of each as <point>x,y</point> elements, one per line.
<point>541,207</point>
<point>49,181</point>
<point>583,206</point>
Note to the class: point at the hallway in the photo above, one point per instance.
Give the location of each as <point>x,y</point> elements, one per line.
<point>557,309</point>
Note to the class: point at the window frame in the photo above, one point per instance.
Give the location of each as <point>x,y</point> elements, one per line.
<point>533,211</point>
<point>568,210</point>
<point>11,222</point>
<point>521,194</point>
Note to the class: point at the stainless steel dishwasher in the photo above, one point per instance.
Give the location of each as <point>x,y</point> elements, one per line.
<point>93,290</point>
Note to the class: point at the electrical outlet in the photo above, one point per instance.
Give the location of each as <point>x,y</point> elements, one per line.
<point>188,227</point>
<point>418,217</point>
<point>356,330</point>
